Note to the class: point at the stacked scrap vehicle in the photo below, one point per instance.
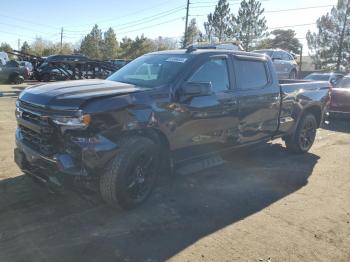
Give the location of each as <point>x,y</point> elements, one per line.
<point>66,67</point>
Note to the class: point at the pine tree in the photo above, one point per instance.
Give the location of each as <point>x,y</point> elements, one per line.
<point>193,33</point>
<point>283,39</point>
<point>218,23</point>
<point>25,47</point>
<point>5,47</point>
<point>125,48</point>
<point>92,44</point>
<point>110,45</point>
<point>164,43</point>
<point>330,46</point>
<point>131,49</point>
<point>249,24</point>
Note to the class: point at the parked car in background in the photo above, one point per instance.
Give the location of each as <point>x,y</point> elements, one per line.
<point>162,109</point>
<point>72,58</point>
<point>49,71</point>
<point>27,65</point>
<point>120,62</point>
<point>340,98</point>
<point>12,72</point>
<point>284,62</point>
<point>333,78</point>
<point>46,72</point>
<point>4,58</point>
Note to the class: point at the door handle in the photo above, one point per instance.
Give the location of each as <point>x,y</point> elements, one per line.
<point>231,102</point>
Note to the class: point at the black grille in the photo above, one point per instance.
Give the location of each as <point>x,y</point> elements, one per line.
<point>31,117</point>
<point>41,138</point>
<point>39,142</point>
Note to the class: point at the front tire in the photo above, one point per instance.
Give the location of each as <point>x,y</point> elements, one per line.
<point>16,79</point>
<point>131,176</point>
<point>304,136</point>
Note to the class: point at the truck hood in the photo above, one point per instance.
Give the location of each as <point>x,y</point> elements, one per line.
<point>70,95</point>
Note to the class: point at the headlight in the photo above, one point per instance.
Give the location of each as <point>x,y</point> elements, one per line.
<point>82,121</point>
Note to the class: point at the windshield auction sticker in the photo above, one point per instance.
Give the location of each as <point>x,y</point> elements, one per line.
<point>176,59</point>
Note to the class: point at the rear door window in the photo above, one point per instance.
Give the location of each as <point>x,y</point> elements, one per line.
<point>251,74</point>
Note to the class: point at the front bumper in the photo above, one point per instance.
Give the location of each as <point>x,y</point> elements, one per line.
<point>338,114</point>
<point>63,168</point>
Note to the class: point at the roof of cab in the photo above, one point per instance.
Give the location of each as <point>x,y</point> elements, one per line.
<point>204,51</point>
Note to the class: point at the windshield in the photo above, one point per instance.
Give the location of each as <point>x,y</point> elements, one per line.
<point>318,77</point>
<point>151,70</point>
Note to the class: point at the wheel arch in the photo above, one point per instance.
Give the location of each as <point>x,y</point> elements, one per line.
<point>316,111</point>
<point>160,139</point>
<point>13,75</point>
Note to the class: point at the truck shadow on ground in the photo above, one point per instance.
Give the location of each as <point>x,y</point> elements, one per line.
<point>38,226</point>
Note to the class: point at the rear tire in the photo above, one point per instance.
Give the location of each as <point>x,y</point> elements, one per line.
<point>304,136</point>
<point>131,176</point>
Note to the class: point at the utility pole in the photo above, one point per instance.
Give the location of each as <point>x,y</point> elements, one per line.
<point>301,62</point>
<point>61,38</point>
<point>186,24</point>
<point>19,44</point>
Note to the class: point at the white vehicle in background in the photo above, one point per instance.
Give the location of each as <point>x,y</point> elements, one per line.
<point>4,58</point>
<point>284,62</point>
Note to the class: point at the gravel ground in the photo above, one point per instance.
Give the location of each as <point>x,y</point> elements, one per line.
<point>263,204</point>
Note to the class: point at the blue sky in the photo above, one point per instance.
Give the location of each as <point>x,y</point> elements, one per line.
<point>25,20</point>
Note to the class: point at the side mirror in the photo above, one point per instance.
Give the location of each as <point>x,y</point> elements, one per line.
<point>190,89</point>
<point>333,81</point>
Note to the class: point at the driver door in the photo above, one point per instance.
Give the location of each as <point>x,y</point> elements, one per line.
<point>207,123</point>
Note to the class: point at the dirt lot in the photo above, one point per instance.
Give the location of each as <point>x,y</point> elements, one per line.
<point>263,205</point>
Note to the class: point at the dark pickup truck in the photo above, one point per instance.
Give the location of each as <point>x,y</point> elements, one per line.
<point>118,135</point>
<point>13,73</point>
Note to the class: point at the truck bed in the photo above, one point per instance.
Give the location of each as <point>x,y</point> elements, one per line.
<point>297,95</point>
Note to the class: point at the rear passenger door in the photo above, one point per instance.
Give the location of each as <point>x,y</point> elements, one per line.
<point>258,99</point>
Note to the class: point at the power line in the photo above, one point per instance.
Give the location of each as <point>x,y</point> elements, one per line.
<point>28,21</point>
<point>126,15</point>
<point>17,35</point>
<point>300,8</point>
<point>214,4</point>
<point>151,26</point>
<point>138,21</point>
<point>23,27</point>
<point>286,10</point>
<point>287,26</point>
